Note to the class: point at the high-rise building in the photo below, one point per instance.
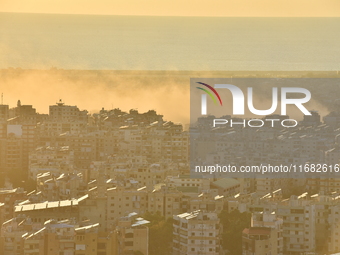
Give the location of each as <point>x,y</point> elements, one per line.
<point>197,233</point>
<point>3,120</point>
<point>11,156</point>
<point>66,113</point>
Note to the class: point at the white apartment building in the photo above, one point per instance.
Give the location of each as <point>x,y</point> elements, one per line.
<point>334,229</point>
<point>197,233</point>
<point>298,225</point>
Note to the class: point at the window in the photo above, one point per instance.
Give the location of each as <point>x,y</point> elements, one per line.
<point>129,235</point>
<point>101,246</point>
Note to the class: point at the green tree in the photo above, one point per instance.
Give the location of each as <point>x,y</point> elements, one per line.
<point>233,224</point>
<point>160,234</point>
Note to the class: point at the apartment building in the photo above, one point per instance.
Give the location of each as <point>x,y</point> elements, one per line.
<point>3,120</point>
<point>185,181</point>
<point>22,122</point>
<point>62,112</point>
<point>196,233</point>
<point>208,201</point>
<point>298,225</point>
<point>60,187</point>
<point>41,212</point>
<point>53,238</point>
<point>124,200</point>
<point>10,197</point>
<point>258,240</point>
<point>159,140</point>
<point>132,235</point>
<point>56,160</point>
<point>11,155</point>
<point>226,186</point>
<point>66,237</point>
<point>264,236</point>
<point>334,229</point>
<point>165,201</point>
<point>11,232</point>
<point>89,240</point>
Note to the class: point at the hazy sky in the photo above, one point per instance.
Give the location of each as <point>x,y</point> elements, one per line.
<point>264,8</point>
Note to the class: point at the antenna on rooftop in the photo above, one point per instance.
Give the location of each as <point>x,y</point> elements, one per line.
<point>60,102</point>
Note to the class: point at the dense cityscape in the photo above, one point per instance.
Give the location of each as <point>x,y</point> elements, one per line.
<point>115,182</point>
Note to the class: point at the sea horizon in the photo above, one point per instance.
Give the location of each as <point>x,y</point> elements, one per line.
<point>115,42</point>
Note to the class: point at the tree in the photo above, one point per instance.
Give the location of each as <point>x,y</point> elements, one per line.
<point>160,234</point>
<point>233,224</point>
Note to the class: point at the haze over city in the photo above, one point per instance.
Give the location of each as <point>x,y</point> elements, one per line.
<point>105,149</point>
<point>230,8</point>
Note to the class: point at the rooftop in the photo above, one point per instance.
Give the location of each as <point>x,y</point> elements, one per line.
<point>47,205</point>
<point>257,231</point>
<point>87,227</point>
<point>226,183</point>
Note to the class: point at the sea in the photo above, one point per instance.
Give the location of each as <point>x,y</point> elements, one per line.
<point>44,41</point>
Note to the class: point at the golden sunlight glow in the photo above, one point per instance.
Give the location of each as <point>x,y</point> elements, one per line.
<point>236,8</point>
